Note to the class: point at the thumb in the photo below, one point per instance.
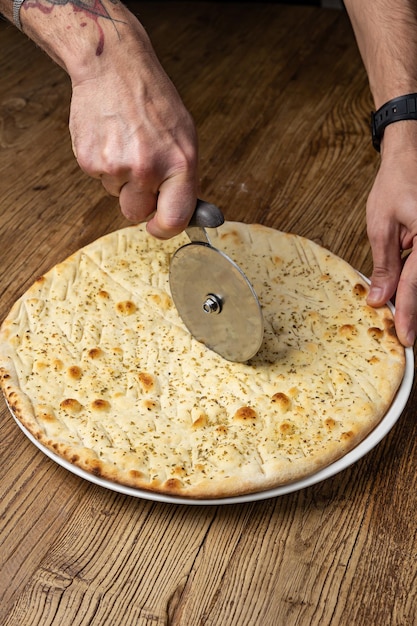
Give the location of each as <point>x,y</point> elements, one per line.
<point>386,271</point>
<point>177,200</point>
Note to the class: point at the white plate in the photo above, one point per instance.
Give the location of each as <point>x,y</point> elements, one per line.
<point>351,457</point>
<point>383,428</point>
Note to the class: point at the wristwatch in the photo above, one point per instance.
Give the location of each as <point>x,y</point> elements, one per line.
<point>396,110</point>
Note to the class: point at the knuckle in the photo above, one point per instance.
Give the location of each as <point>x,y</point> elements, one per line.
<point>178,223</point>
<point>381,272</point>
<point>173,221</point>
<point>84,159</point>
<point>378,234</point>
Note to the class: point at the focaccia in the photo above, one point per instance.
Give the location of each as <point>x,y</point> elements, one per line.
<point>96,363</point>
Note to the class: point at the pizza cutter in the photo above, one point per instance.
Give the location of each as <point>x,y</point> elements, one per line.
<point>214,298</point>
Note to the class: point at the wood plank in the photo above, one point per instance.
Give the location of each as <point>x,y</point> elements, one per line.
<point>281,103</point>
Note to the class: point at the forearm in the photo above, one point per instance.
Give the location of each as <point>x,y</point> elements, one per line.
<point>82,35</point>
<point>386,32</point>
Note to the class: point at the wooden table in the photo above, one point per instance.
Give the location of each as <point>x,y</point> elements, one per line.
<point>281,102</point>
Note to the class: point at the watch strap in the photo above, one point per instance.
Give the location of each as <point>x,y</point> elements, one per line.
<point>395,110</point>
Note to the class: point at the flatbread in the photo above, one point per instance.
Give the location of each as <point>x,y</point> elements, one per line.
<point>96,363</point>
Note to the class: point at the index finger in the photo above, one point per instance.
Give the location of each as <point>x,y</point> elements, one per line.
<point>406,301</point>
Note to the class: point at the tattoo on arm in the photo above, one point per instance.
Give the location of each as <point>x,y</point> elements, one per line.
<point>92,9</point>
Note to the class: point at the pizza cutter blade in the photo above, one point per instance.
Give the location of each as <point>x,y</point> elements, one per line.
<point>214,298</point>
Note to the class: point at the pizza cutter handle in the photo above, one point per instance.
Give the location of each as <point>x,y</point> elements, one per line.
<point>206,215</point>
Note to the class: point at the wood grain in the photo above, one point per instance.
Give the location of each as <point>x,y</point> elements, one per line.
<point>281,103</point>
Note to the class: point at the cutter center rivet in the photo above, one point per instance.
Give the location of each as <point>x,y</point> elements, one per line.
<point>212,304</point>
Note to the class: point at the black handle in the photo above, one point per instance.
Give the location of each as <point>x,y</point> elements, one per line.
<point>206,215</point>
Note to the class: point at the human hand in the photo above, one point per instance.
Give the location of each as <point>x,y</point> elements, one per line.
<point>130,128</point>
<point>392,228</point>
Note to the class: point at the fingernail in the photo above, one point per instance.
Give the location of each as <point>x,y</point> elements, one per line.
<point>375,294</point>
<point>411,337</point>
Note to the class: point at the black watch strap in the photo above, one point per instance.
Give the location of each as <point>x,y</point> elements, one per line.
<point>396,110</point>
